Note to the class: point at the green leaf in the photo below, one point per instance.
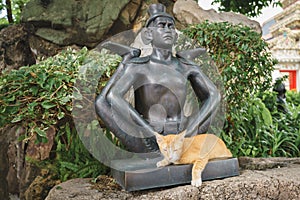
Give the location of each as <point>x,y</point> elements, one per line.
<point>48,104</point>
<point>69,165</point>
<point>34,90</point>
<point>77,95</point>
<point>60,115</point>
<point>233,68</point>
<point>13,98</point>
<point>40,132</point>
<point>17,119</point>
<point>267,117</point>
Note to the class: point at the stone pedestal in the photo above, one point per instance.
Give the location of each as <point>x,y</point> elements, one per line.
<point>141,174</point>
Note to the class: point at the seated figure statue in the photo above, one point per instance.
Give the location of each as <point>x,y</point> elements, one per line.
<point>160,83</point>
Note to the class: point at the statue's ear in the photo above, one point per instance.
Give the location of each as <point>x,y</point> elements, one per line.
<point>176,36</point>
<point>146,36</point>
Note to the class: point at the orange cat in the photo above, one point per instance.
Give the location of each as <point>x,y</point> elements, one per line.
<point>197,150</point>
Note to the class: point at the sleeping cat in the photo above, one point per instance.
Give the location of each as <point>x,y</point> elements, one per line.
<point>197,150</point>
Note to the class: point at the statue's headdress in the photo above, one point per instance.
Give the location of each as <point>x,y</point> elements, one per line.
<point>157,10</point>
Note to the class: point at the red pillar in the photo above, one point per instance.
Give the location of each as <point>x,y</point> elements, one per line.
<point>292,78</point>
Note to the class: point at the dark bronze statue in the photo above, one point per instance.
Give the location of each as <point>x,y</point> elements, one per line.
<point>279,87</point>
<point>160,83</point>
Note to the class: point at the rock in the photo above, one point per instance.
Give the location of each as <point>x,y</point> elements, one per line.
<point>14,48</point>
<point>76,22</point>
<point>17,172</point>
<point>20,47</point>
<point>86,22</point>
<point>274,182</point>
<point>40,186</point>
<point>43,48</point>
<point>128,14</point>
<point>189,12</point>
<point>3,165</point>
<point>263,163</point>
<point>41,151</point>
<point>12,150</point>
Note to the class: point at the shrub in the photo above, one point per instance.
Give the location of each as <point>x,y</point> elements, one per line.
<point>241,56</point>
<point>40,96</point>
<point>262,130</point>
<point>254,126</point>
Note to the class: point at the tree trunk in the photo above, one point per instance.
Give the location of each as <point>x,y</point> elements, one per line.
<point>9,11</point>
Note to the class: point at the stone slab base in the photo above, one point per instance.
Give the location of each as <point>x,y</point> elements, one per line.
<point>141,174</point>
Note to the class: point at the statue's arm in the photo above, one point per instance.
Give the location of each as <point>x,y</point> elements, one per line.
<point>127,53</point>
<point>121,107</point>
<point>109,102</point>
<point>210,98</point>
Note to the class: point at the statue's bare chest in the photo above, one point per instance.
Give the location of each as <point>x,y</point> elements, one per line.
<point>160,85</point>
<point>171,77</point>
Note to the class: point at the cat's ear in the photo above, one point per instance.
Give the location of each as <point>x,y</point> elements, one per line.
<point>182,134</point>
<point>158,137</point>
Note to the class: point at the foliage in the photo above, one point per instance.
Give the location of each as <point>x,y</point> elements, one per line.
<point>254,126</point>
<point>261,130</point>
<point>251,8</point>
<point>293,97</point>
<point>70,158</point>
<point>39,96</point>
<point>241,56</point>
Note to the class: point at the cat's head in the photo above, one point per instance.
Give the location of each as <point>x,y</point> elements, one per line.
<point>171,146</point>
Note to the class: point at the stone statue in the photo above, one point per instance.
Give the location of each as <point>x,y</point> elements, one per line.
<point>279,87</point>
<point>160,84</point>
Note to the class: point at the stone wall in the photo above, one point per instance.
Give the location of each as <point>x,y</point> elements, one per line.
<point>88,22</point>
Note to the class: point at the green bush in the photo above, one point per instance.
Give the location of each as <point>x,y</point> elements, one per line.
<point>39,96</point>
<point>254,126</point>
<point>293,98</point>
<point>241,56</point>
<point>261,130</point>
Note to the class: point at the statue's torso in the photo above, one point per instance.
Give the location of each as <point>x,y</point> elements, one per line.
<point>160,90</point>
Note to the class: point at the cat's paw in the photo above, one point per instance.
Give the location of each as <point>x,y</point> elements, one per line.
<point>159,164</point>
<point>162,163</point>
<point>197,182</point>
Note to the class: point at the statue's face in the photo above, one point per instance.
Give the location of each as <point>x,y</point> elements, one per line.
<point>163,33</point>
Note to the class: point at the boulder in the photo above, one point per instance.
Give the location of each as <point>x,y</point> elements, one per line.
<point>20,47</point>
<point>16,173</point>
<point>189,12</point>
<point>17,169</point>
<point>88,22</point>
<point>40,186</point>
<point>269,178</point>
<point>14,48</point>
<point>76,22</point>
<point>4,167</point>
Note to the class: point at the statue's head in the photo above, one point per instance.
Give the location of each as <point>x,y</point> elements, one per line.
<point>157,10</point>
<point>279,87</point>
<point>160,28</point>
